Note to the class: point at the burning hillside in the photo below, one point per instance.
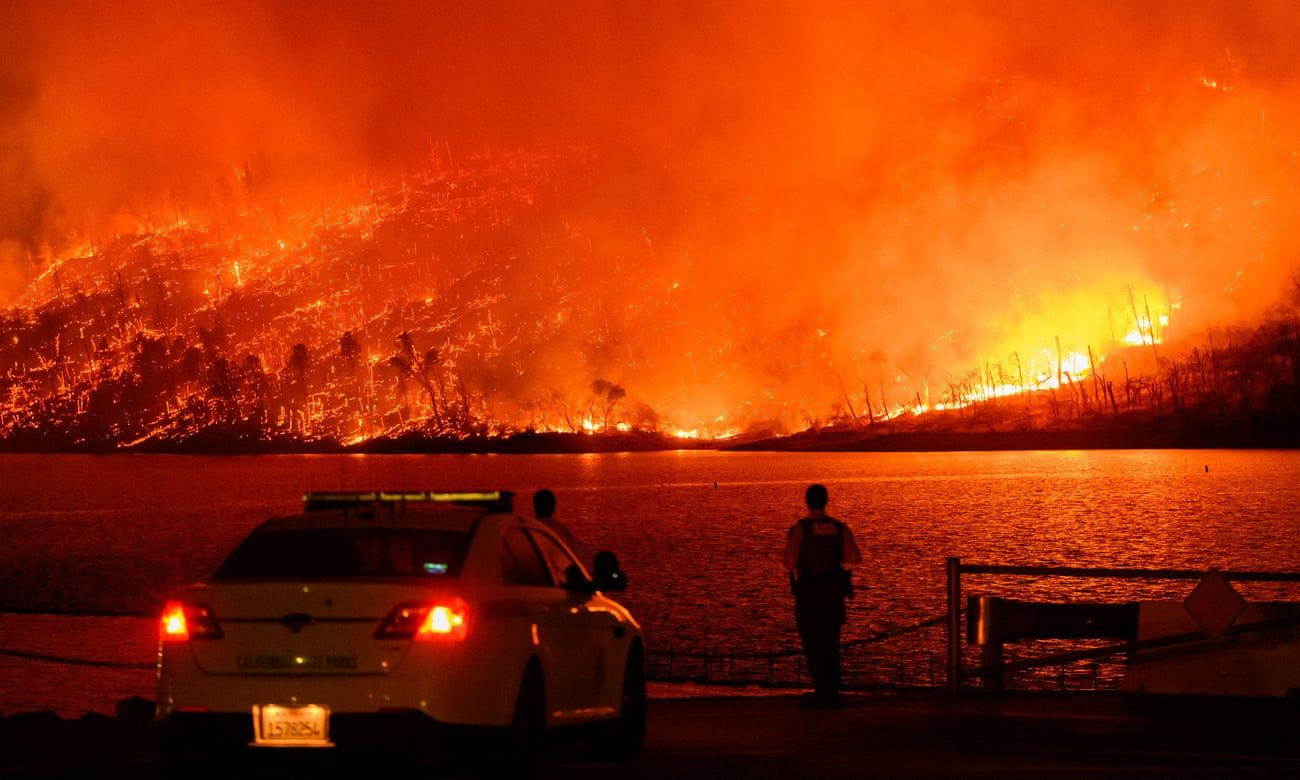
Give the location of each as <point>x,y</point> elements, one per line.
<point>451,302</point>
<point>464,300</point>
<point>337,226</point>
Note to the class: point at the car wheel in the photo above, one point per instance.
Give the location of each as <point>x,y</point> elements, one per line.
<point>625,736</point>
<point>528,727</point>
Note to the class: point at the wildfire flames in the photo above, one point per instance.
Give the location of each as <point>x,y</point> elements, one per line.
<point>309,225</point>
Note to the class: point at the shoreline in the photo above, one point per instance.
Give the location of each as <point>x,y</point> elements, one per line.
<point>1099,439</point>
<point>1284,436</point>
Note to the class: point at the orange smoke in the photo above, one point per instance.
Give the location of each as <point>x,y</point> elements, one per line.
<point>804,198</point>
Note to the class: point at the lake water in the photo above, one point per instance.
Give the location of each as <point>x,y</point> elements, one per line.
<point>699,533</point>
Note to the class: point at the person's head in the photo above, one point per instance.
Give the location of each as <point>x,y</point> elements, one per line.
<point>544,503</point>
<point>816,497</point>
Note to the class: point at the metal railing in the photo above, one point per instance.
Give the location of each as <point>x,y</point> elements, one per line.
<point>955,569</point>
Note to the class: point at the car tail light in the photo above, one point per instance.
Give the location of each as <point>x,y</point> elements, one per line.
<point>426,620</point>
<point>182,622</point>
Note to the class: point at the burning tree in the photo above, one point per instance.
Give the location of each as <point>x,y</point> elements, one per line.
<point>607,395</point>
<point>423,368</point>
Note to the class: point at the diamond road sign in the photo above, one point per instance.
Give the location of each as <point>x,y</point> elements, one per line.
<point>1215,604</point>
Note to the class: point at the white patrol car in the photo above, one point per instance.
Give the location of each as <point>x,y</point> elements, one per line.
<point>382,619</point>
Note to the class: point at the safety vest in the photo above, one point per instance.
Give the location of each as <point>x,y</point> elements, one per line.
<point>821,550</point>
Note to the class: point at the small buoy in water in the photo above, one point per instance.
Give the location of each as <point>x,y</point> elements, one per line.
<point>715,482</point>
<point>1207,468</point>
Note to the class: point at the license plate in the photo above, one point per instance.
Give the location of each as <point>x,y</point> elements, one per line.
<point>275,725</point>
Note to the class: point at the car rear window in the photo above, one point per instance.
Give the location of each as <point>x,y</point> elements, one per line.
<point>334,552</point>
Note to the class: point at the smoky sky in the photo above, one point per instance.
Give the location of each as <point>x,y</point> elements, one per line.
<point>941,178</point>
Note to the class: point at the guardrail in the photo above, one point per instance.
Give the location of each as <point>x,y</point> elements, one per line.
<point>955,569</point>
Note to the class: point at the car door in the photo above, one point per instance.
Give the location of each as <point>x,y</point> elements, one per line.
<point>559,636</point>
<point>596,634</point>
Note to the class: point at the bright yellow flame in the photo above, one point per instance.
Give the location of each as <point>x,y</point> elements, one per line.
<point>1144,333</point>
<point>1075,364</point>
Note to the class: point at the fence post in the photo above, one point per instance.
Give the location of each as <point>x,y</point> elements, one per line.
<point>954,624</point>
<point>993,677</point>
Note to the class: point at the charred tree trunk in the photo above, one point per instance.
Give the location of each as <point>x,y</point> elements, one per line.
<point>1175,396</point>
<point>852,413</point>
<point>1128,388</point>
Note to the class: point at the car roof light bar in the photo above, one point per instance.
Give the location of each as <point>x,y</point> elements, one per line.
<point>493,500</point>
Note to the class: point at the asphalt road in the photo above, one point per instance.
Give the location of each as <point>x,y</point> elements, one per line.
<point>917,735</point>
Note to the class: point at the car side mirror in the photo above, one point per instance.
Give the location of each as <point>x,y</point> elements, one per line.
<point>576,581</point>
<point>606,573</point>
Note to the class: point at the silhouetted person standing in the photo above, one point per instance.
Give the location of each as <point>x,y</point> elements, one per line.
<point>544,509</point>
<point>815,554</point>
